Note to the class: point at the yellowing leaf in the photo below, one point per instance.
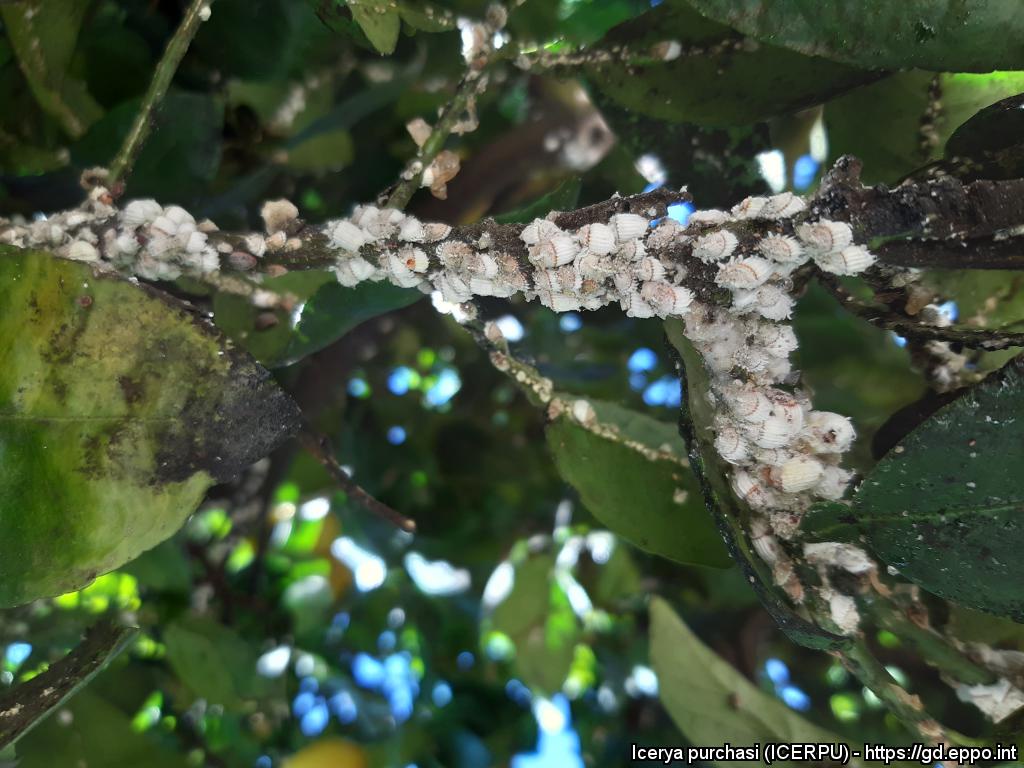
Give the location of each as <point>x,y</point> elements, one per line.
<point>329,753</point>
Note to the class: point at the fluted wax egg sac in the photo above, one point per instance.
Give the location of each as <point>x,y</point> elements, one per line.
<point>852,260</point>
<point>454,254</point>
<point>731,445</point>
<point>715,246</point>
<point>748,488</point>
<point>538,230</point>
<point>747,273</point>
<point>649,269</point>
<point>558,302</point>
<point>665,234</point>
<point>781,206</point>
<point>597,238</point>
<point>825,236</point>
<point>553,251</point>
<point>631,250</point>
<point>748,403</point>
<point>774,432</point>
<point>828,432</point>
<point>749,207</point>
<point>82,251</point>
<point>665,299</point>
<point>141,212</point>
<point>769,301</point>
<point>801,473</point>
<point>782,249</point>
<point>346,236</point>
<point>591,265</point>
<point>708,218</point>
<point>628,226</point>
<point>412,231</point>
<point>453,288</point>
<point>777,340</point>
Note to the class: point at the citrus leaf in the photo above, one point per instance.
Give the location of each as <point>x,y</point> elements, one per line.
<point>944,506</point>
<point>882,123</point>
<point>43,35</point>
<point>329,753</point>
<point>379,21</point>
<point>335,310</point>
<point>214,662</point>
<point>119,407</point>
<point>26,705</point>
<point>710,701</point>
<point>646,496</point>
<point>716,79</point>
<point>561,198</point>
<point>940,35</point>
<point>97,733</point>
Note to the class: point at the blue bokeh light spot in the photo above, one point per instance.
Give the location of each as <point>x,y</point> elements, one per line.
<point>642,359</point>
<point>681,212</point>
<point>777,671</point>
<point>804,170</point>
<point>570,322</point>
<point>400,380</point>
<point>396,435</point>
<point>794,698</point>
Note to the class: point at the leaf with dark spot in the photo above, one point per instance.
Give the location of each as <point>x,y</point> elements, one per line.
<point>116,414</point>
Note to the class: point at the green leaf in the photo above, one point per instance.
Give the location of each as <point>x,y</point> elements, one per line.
<point>214,662</point>
<point>245,38</point>
<point>647,496</point>
<point>731,84</point>
<point>882,123</point>
<point>710,701</point>
<point>538,618</point>
<point>944,506</point>
<point>119,407</point>
<point>180,157</point>
<point>563,198</point>
<point>993,139</point>
<point>28,704</point>
<point>97,734</point>
<point>43,34</point>
<point>940,35</point>
<point>335,310</point>
<point>379,20</point>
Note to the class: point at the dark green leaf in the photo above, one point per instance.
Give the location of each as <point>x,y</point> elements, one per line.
<point>43,35</point>
<point>213,661</point>
<point>335,310</point>
<point>944,506</point>
<point>903,122</point>
<point>119,407</point>
<point>733,84</point>
<point>562,198</point>
<point>244,38</point>
<point>940,35</point>
<point>652,501</point>
<point>181,155</point>
<point>993,138</point>
<point>710,701</point>
<point>23,707</point>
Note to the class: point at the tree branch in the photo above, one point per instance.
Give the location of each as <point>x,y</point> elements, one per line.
<point>319,447</point>
<point>197,12</point>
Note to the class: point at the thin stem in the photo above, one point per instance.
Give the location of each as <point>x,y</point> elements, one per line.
<point>319,447</point>
<point>197,12</point>
<point>473,83</point>
<point>932,646</point>
<point>975,338</point>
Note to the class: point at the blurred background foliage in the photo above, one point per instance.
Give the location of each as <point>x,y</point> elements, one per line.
<point>283,626</point>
